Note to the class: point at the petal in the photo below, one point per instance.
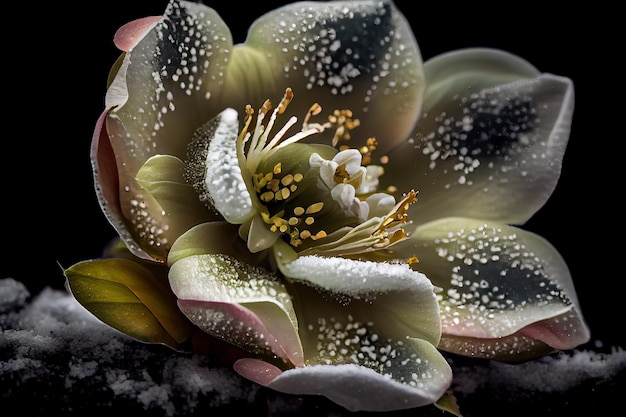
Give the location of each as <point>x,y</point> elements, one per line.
<point>162,177</point>
<point>131,33</point>
<point>215,237</point>
<point>160,94</point>
<point>403,299</point>
<point>352,55</point>
<point>413,374</point>
<point>507,293</point>
<point>237,302</point>
<point>130,297</point>
<point>213,168</point>
<point>490,141</point>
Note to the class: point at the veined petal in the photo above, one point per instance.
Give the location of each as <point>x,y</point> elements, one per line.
<point>394,376</point>
<point>507,293</point>
<point>490,141</point>
<point>237,302</point>
<point>352,55</point>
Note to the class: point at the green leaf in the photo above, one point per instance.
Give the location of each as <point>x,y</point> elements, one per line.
<point>131,298</point>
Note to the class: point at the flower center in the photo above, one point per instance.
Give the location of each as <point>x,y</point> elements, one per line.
<point>303,192</point>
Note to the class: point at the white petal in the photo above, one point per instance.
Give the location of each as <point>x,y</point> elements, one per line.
<point>218,177</point>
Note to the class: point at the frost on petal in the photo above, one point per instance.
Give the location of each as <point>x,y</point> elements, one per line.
<point>240,303</point>
<point>395,299</point>
<point>507,293</point>
<point>352,55</point>
<point>212,168</point>
<point>490,141</point>
<point>160,94</point>
<point>412,374</point>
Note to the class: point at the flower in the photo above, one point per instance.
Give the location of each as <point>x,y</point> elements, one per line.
<point>349,257</point>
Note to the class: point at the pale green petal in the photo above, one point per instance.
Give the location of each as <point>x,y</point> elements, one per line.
<point>215,237</point>
<point>352,55</point>
<point>498,282</point>
<point>490,141</point>
<point>396,300</point>
<point>161,177</point>
<point>359,351</point>
<point>240,303</point>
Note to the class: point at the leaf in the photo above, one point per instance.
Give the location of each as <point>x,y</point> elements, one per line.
<point>131,298</point>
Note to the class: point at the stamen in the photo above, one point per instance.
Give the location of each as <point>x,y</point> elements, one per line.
<point>315,208</point>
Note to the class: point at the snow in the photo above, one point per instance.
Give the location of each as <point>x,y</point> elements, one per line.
<point>57,358</point>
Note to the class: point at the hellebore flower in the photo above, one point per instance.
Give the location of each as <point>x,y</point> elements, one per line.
<point>343,256</point>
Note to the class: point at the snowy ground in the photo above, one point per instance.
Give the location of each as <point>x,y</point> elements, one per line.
<point>57,359</point>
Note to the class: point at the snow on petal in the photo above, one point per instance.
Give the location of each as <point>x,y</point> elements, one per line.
<point>414,374</point>
<point>498,282</point>
<point>352,55</point>
<point>397,300</point>
<point>213,168</point>
<point>162,90</point>
<point>490,141</point>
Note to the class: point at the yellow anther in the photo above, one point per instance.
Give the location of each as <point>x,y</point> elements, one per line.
<point>319,235</point>
<point>293,188</point>
<point>298,211</point>
<point>282,106</point>
<point>309,220</point>
<point>284,193</point>
<point>298,177</point>
<point>287,179</point>
<point>293,221</point>
<point>277,168</point>
<point>305,234</point>
<point>267,196</point>
<point>274,185</point>
<point>283,228</point>
<point>412,260</point>
<point>314,208</point>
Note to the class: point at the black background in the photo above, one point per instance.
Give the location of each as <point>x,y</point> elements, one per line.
<point>56,61</point>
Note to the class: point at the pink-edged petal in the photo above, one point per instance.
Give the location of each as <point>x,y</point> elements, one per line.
<point>239,326</point>
<point>357,55</point>
<point>240,303</point>
<point>405,381</point>
<point>507,293</point>
<point>131,33</point>
<point>160,94</point>
<point>106,179</point>
<point>490,141</point>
